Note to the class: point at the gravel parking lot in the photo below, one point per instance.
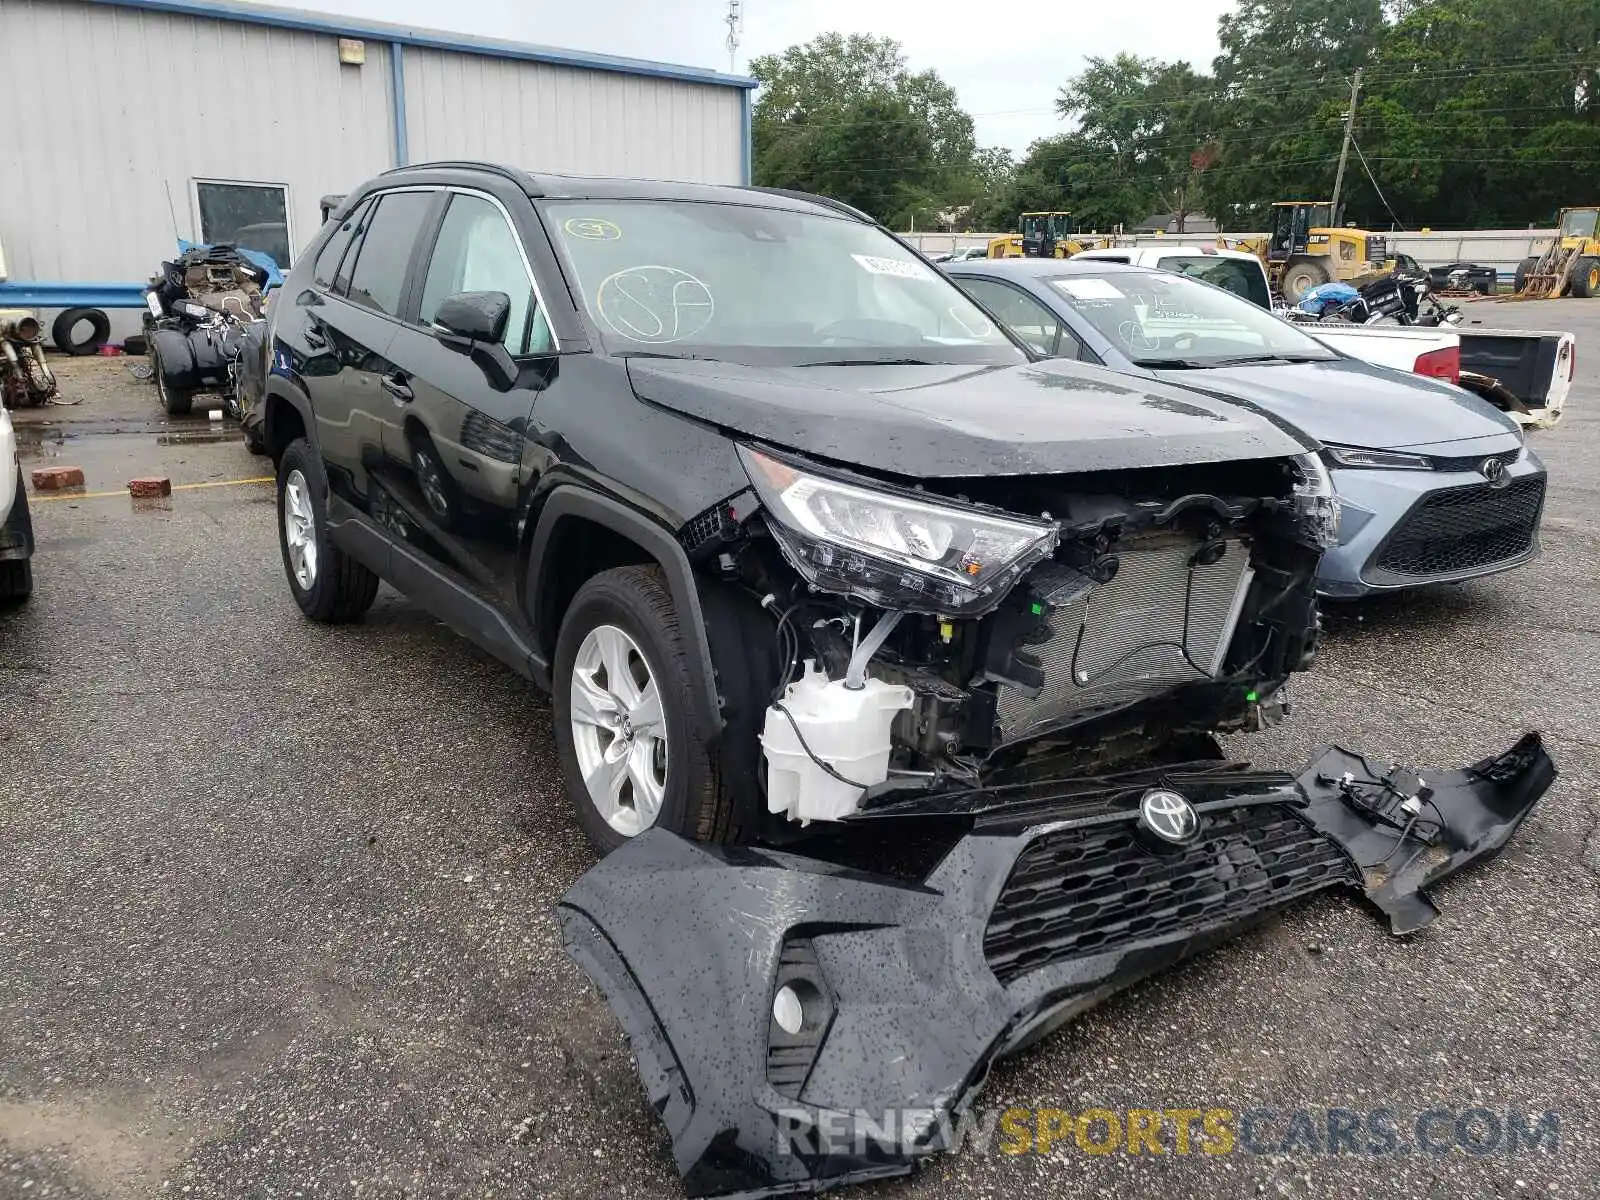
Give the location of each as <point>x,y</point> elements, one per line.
<point>279,907</point>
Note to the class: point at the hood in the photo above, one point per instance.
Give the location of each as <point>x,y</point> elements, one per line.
<point>1350,403</point>
<point>954,421</point>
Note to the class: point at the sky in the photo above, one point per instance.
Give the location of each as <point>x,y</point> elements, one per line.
<point>1006,58</point>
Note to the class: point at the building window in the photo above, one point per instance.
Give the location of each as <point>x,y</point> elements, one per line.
<point>252,215</point>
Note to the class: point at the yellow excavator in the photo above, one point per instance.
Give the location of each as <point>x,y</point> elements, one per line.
<point>1305,248</point>
<point>1571,264</point>
<point>1043,235</point>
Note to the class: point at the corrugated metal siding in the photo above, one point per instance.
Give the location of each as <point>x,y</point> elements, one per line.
<point>131,111</point>
<point>549,118</point>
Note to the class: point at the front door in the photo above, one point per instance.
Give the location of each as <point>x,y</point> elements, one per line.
<point>454,449</point>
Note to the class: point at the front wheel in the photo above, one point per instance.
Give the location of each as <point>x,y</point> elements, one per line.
<point>177,401</point>
<point>1519,279</point>
<point>328,585</point>
<point>621,693</point>
<point>1586,277</point>
<point>1301,277</point>
<point>16,580</point>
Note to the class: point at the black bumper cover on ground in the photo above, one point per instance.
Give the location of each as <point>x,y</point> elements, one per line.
<point>1044,899</point>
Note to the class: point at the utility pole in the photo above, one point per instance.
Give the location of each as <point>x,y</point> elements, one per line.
<point>1344,151</point>
<point>735,23</point>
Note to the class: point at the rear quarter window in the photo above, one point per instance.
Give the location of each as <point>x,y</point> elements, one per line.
<point>1243,279</point>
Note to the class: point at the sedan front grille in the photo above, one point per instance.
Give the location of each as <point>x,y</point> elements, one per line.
<point>1161,621</point>
<point>1099,889</point>
<point>1462,529</point>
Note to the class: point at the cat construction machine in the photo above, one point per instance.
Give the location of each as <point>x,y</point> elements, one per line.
<point>1304,248</point>
<point>1570,266</point>
<point>1043,235</point>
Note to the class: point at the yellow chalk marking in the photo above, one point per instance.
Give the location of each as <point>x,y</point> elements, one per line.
<point>177,487</point>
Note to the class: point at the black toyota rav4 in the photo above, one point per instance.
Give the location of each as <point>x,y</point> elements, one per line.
<point>657,445</point>
<point>812,556</point>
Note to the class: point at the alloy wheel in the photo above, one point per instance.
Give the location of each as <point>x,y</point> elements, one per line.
<point>619,730</point>
<point>300,530</point>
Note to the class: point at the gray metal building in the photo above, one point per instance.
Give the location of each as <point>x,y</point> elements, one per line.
<point>213,120</point>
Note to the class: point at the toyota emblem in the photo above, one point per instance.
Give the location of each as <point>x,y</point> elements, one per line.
<point>1168,816</point>
<point>1495,471</point>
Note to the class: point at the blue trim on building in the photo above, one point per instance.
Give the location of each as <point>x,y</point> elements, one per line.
<point>746,139</point>
<point>28,294</point>
<point>397,101</point>
<point>432,39</point>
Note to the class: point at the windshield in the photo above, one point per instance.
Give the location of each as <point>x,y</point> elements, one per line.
<point>1159,319</point>
<point>1243,278</point>
<point>763,286</point>
<point>1579,222</point>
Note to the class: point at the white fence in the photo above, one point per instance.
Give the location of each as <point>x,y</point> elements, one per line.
<point>1501,249</point>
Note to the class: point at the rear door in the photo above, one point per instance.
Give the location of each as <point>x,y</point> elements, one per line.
<point>349,329</point>
<point>455,453</point>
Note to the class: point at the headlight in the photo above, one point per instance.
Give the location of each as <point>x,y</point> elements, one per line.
<point>1315,504</point>
<point>894,549</point>
<point>1349,456</point>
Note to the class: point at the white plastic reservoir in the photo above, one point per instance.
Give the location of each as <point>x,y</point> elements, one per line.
<point>848,730</point>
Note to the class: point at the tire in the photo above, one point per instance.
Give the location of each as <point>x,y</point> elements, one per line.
<point>693,801</point>
<point>337,589</point>
<point>62,329</point>
<point>1586,277</point>
<point>177,401</point>
<point>16,580</point>
<point>255,438</point>
<point>1300,277</point>
<point>1519,280</point>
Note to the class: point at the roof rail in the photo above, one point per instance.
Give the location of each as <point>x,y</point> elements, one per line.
<point>517,176</point>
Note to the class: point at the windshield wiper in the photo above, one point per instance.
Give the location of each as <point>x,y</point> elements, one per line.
<point>871,362</point>
<point>1202,364</point>
<point>658,354</point>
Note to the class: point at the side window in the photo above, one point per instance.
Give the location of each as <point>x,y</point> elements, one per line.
<point>1026,317</point>
<point>252,215</point>
<point>326,269</point>
<point>478,251</point>
<point>380,267</point>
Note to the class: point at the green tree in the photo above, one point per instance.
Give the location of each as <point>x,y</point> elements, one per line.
<point>846,117</point>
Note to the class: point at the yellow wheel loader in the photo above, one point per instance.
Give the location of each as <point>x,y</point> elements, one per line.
<point>1571,264</point>
<point>1042,235</point>
<point>1305,248</point>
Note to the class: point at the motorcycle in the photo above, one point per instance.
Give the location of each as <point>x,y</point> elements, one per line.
<point>1394,298</point>
<point>204,316</point>
<point>26,379</point>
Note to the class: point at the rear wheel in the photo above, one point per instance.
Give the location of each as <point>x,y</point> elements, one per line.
<point>328,585</point>
<point>177,401</point>
<point>1524,268</point>
<point>621,693</point>
<point>1586,277</point>
<point>16,580</point>
<point>1301,276</point>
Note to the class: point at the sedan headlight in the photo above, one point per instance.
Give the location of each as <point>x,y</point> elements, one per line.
<point>1315,503</point>
<point>1389,460</point>
<point>894,549</point>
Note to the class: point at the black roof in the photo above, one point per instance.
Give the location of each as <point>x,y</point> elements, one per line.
<point>552,186</point>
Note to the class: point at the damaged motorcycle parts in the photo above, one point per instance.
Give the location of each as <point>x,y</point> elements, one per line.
<point>204,316</point>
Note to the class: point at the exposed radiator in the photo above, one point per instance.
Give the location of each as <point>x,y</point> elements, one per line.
<point>1124,641</point>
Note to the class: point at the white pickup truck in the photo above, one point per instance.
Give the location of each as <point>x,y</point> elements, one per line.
<point>1527,373</point>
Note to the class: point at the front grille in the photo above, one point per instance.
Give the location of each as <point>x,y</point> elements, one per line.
<point>1158,623</point>
<point>1099,889</point>
<point>1464,528</point>
<point>1473,462</point>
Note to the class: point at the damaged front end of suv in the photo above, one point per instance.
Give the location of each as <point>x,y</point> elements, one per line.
<point>993,795</point>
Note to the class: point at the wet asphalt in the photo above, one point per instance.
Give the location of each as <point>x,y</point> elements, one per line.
<point>278,910</point>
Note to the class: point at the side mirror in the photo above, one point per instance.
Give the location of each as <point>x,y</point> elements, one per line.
<point>475,316</point>
<point>474,324</point>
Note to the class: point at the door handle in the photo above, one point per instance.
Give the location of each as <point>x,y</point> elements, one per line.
<point>314,338</point>
<point>395,384</point>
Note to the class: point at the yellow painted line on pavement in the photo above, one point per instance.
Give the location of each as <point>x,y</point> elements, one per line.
<point>177,487</point>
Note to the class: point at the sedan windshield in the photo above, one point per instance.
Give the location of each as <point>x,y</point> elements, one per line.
<point>764,286</point>
<point>1160,319</point>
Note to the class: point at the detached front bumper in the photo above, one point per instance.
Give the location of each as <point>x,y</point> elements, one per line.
<point>983,922</point>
